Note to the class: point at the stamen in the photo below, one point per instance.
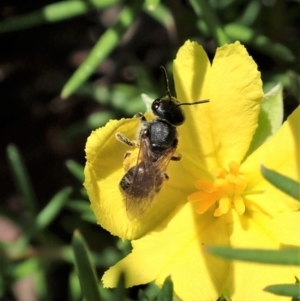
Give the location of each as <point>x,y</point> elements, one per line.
<point>226,192</point>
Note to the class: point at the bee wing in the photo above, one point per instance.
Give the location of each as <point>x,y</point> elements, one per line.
<point>162,163</point>
<point>143,187</point>
<point>147,180</point>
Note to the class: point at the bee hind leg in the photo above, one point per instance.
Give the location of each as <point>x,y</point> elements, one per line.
<point>176,157</point>
<point>141,116</point>
<point>122,138</point>
<point>127,155</point>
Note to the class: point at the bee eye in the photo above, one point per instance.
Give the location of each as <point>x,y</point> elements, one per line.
<point>156,104</point>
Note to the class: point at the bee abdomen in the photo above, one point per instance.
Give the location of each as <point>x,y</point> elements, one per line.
<point>125,182</point>
<point>139,190</point>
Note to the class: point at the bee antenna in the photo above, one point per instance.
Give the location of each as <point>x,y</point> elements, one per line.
<point>166,81</point>
<point>192,103</point>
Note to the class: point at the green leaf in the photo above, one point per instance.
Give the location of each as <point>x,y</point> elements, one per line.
<point>93,121</point>
<point>147,101</point>
<point>105,45</point>
<point>89,217</point>
<point>291,290</point>
<point>119,292</point>
<point>21,178</point>
<point>127,98</point>
<point>282,257</point>
<point>269,119</point>
<point>251,13</point>
<point>84,209</point>
<point>163,15</point>
<point>85,270</point>
<point>46,216</point>
<point>295,84</point>
<point>204,11</point>
<point>285,184</point>
<point>151,4</point>
<point>24,268</point>
<point>53,13</point>
<point>166,293</point>
<point>76,169</point>
<point>74,286</point>
<point>262,43</point>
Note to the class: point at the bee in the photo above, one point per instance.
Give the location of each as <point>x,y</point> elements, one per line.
<point>157,142</point>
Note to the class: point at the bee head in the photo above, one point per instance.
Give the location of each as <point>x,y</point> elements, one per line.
<point>168,108</point>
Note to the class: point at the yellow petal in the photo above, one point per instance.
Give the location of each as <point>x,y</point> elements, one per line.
<point>286,228</point>
<point>221,130</point>
<point>103,172</point>
<point>235,90</point>
<point>176,249</point>
<point>247,280</point>
<point>280,153</point>
<point>191,68</point>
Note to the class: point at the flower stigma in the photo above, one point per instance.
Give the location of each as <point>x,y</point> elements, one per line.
<point>226,190</point>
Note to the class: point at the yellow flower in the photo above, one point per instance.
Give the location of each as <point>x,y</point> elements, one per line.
<point>232,204</point>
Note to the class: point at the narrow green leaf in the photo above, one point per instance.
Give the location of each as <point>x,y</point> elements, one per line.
<point>291,290</point>
<point>270,118</point>
<point>295,84</point>
<point>247,35</point>
<point>41,282</point>
<point>76,169</point>
<point>49,213</point>
<point>102,49</point>
<point>285,184</point>
<point>119,293</point>
<point>85,270</point>
<point>84,209</point>
<point>46,216</point>
<point>204,11</point>
<point>166,292</point>
<point>4,259</point>
<point>251,13</point>
<point>98,119</point>
<point>53,13</point>
<point>21,178</point>
<point>151,4</point>
<point>89,217</point>
<point>74,286</point>
<point>162,15</point>
<point>282,257</point>
<point>79,205</point>
<point>85,126</point>
<point>24,268</point>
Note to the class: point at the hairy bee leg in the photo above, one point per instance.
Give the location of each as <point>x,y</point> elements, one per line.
<point>166,176</point>
<point>126,155</point>
<point>141,116</point>
<point>138,115</point>
<point>122,138</point>
<point>176,157</point>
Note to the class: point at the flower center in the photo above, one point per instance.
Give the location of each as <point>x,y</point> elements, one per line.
<point>226,191</point>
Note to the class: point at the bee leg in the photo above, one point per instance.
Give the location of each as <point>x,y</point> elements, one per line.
<point>166,176</point>
<point>176,157</point>
<point>126,155</point>
<point>141,116</point>
<point>122,138</point>
<point>138,115</point>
